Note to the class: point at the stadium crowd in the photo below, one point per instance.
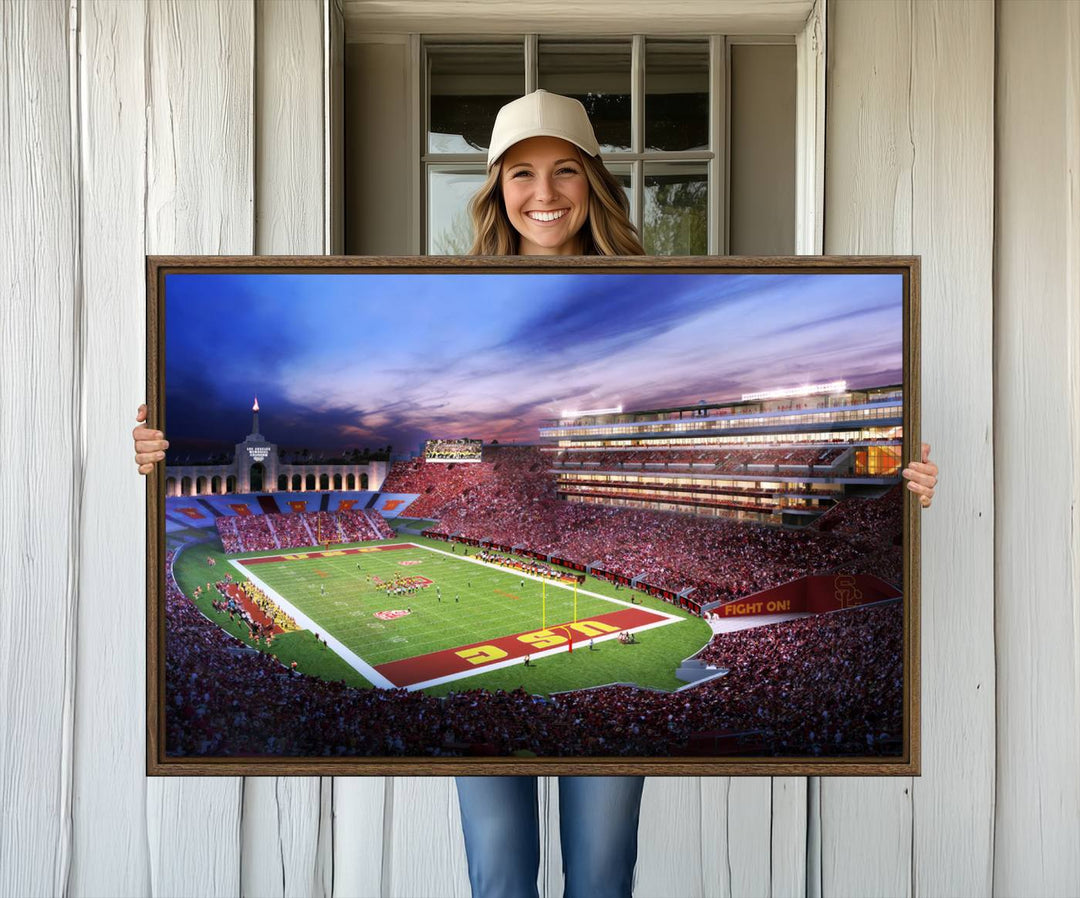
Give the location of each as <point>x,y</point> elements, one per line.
<point>434,483</point>
<point>246,533</point>
<point>360,526</point>
<point>720,559</point>
<point>711,460</point>
<point>252,533</point>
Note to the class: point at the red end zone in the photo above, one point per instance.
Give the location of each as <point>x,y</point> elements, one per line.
<point>357,550</point>
<point>475,657</point>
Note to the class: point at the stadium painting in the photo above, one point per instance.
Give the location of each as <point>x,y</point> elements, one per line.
<point>434,516</point>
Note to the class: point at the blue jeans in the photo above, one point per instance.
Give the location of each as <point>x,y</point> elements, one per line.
<point>598,821</point>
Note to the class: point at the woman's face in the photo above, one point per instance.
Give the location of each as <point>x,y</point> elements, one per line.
<point>546,195</point>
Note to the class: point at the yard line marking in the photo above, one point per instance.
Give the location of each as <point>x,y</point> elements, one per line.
<point>554,584</point>
<point>340,649</point>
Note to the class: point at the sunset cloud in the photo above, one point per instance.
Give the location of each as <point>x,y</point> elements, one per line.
<point>344,361</point>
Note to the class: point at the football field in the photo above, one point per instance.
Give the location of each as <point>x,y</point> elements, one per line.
<point>453,617</point>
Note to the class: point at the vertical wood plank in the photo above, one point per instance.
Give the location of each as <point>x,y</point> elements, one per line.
<point>199,151</point>
<point>865,833</point>
<point>868,156</point>
<point>290,161</point>
<point>953,229</point>
<point>749,837</point>
<point>423,847</point>
<point>110,734</point>
<point>199,200</point>
<point>1037,367</point>
<point>40,451</point>
<point>334,125</point>
<point>670,838</point>
<point>551,875</point>
<point>736,836</point>
<point>788,837</point>
<point>280,837</point>
<point>282,815</point>
<point>810,133</point>
<point>360,809</point>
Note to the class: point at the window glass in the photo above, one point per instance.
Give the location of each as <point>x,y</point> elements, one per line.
<point>467,84</point>
<point>449,190</point>
<point>676,95</point>
<point>597,74</point>
<point>676,209</point>
<point>623,175</point>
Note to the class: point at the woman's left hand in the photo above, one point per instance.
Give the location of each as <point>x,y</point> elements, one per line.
<point>922,477</point>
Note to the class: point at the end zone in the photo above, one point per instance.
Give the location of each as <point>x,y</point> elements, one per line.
<point>447,665</point>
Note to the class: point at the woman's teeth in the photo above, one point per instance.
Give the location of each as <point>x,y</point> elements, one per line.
<point>546,216</point>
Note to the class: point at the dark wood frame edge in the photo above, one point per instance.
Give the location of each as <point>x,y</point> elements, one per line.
<point>908,763</point>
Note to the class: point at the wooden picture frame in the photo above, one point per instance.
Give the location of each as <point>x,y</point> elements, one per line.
<point>789,502</point>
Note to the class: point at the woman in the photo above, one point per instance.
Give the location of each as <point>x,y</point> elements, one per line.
<point>548,193</point>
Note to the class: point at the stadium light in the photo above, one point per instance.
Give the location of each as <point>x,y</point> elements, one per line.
<point>617,410</point>
<point>836,386</point>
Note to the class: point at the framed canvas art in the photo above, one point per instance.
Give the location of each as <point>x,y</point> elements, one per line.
<point>549,516</point>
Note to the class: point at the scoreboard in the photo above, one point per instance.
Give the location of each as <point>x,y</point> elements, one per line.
<point>452,451</point>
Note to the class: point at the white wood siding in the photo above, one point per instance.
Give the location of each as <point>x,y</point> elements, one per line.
<point>41,433</point>
<point>1037,451</point>
<point>110,787</point>
<point>135,127</point>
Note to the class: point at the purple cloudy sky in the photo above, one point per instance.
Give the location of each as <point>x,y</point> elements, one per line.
<point>374,359</point>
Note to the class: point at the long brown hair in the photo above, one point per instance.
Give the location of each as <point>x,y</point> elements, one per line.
<point>608,230</point>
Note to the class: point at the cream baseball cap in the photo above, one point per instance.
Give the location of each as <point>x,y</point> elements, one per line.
<point>541,114</point>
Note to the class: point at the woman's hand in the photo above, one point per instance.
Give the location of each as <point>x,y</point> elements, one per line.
<point>150,445</point>
<point>922,477</point>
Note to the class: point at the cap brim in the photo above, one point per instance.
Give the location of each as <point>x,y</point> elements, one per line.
<point>496,152</point>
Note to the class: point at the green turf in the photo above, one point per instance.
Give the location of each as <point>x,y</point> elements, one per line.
<point>493,602</point>
<point>311,657</point>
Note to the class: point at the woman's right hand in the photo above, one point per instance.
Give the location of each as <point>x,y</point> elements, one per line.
<point>150,445</point>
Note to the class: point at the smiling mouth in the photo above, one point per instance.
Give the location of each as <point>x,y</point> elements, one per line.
<point>554,215</point>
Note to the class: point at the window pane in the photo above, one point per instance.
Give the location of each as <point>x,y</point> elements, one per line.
<point>624,176</point>
<point>676,209</point>
<point>597,74</point>
<point>676,95</point>
<point>467,84</point>
<point>449,191</point>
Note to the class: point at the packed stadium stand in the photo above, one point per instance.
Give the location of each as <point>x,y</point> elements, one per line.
<point>253,533</point>
<point>434,483</point>
<point>719,559</point>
